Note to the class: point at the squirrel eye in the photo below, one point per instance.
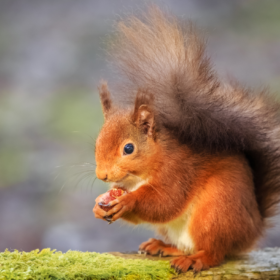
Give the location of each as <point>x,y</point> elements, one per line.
<point>128,149</point>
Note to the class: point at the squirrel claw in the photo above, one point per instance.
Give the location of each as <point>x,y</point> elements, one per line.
<point>108,219</point>
<point>178,270</point>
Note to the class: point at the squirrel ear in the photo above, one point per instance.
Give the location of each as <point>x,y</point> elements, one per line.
<point>145,120</point>
<point>143,114</point>
<point>105,98</point>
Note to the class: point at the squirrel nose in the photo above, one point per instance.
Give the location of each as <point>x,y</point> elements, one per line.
<point>102,175</point>
<point>105,178</point>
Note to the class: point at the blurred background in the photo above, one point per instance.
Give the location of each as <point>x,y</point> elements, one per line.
<point>52,56</point>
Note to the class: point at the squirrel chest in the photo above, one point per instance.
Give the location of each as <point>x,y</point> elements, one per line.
<point>177,233</point>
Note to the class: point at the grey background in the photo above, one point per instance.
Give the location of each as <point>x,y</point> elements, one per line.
<point>52,56</point>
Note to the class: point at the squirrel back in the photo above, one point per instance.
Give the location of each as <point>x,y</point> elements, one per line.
<point>168,63</point>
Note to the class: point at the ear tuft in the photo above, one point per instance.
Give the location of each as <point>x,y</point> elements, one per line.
<point>105,98</point>
<point>143,114</point>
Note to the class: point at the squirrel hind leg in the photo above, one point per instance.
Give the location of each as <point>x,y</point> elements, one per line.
<point>198,262</point>
<point>157,247</point>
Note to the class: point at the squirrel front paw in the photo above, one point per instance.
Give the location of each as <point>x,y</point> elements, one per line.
<point>98,211</point>
<point>121,205</point>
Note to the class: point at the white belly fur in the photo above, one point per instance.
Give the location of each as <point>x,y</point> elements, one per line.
<point>177,232</point>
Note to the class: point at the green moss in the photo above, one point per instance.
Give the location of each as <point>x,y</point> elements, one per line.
<point>53,265</point>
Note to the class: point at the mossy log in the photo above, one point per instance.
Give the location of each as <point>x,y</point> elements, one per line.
<point>261,264</point>
<point>50,264</point>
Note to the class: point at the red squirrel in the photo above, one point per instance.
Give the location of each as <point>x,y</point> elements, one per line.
<point>198,157</point>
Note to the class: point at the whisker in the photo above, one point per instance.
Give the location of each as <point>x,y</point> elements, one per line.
<point>77,178</point>
<point>83,177</point>
<point>56,176</point>
<point>90,163</point>
<point>63,186</point>
<point>85,164</point>
<point>93,183</point>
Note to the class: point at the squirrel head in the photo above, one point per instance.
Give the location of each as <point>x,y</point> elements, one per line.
<point>126,145</point>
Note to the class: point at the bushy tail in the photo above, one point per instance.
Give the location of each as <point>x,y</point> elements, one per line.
<point>167,59</point>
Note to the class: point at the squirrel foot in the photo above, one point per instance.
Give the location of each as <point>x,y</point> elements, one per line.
<point>184,263</point>
<point>157,247</point>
